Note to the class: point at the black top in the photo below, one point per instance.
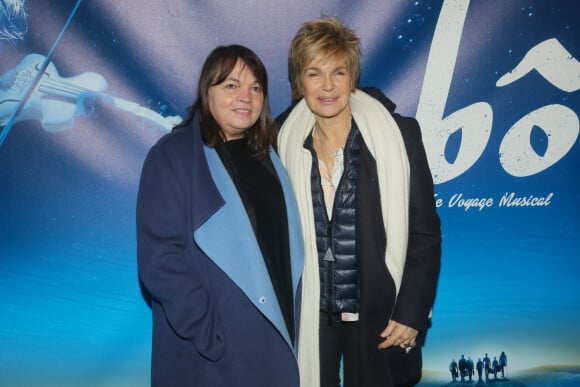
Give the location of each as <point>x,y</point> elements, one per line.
<point>260,190</point>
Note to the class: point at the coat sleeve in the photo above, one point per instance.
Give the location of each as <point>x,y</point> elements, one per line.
<point>167,267</point>
<point>422,266</point>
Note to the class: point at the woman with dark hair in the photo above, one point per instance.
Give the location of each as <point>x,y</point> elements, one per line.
<point>372,236</point>
<point>218,238</point>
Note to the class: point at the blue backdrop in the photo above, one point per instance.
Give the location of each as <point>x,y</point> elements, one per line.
<point>493,83</point>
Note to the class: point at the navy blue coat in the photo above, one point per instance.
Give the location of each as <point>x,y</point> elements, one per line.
<point>216,319</point>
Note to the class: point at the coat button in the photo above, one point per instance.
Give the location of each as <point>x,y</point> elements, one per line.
<point>262,300</point>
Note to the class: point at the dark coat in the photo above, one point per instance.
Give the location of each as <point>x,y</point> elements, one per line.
<point>216,319</point>
<point>418,288</point>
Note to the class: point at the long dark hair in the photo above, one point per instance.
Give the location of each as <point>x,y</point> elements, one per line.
<point>218,65</point>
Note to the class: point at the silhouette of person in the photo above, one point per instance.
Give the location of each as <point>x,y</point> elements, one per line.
<point>462,367</point>
<point>495,367</point>
<point>486,366</point>
<point>479,367</point>
<point>470,368</point>
<point>453,370</point>
<point>502,363</point>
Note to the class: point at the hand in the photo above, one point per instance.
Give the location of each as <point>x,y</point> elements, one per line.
<point>399,335</point>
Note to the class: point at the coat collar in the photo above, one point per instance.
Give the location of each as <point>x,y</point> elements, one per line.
<point>206,198</point>
<point>223,231</point>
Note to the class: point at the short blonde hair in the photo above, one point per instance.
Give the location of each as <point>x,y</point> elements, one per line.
<point>328,37</point>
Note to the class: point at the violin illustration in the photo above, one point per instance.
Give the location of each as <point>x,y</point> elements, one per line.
<point>56,101</point>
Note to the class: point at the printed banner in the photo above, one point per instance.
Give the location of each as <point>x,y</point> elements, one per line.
<point>86,87</point>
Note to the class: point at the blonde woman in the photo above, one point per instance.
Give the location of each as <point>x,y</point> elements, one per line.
<point>372,234</point>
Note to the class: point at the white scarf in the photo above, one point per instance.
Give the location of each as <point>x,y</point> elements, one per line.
<point>383,138</point>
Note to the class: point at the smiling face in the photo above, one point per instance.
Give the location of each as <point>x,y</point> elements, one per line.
<point>327,85</point>
<point>237,102</point>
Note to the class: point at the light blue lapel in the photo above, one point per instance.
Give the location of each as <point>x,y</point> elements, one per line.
<point>294,228</point>
<point>228,239</point>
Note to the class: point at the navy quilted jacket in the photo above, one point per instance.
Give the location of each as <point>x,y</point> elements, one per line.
<point>335,238</point>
